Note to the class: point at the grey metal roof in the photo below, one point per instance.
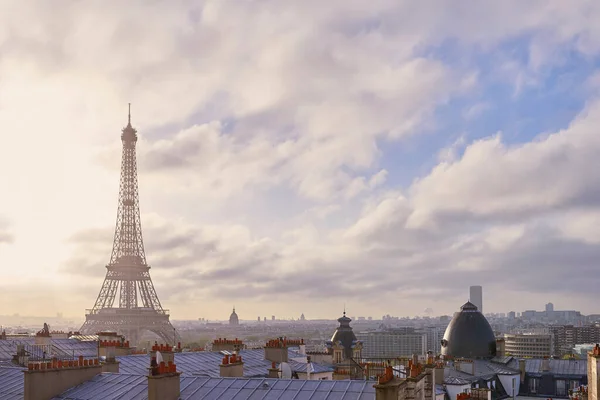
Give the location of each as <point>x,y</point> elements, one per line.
<point>488,369</point>
<point>455,380</point>
<point>484,369</point>
<point>8,348</point>
<point>76,347</point>
<point>11,383</point>
<point>109,386</point>
<point>502,359</point>
<point>120,386</point>
<point>206,363</point>
<point>566,368</point>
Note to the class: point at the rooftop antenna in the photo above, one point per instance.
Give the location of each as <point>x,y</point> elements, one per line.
<point>129,114</point>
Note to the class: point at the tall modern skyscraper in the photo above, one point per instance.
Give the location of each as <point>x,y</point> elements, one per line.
<point>476,296</point>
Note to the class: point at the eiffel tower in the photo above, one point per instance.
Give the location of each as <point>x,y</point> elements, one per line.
<point>128,274</point>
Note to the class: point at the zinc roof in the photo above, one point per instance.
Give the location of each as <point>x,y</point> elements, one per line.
<point>8,348</point>
<point>120,386</point>
<point>11,383</point>
<point>206,363</point>
<point>560,368</point>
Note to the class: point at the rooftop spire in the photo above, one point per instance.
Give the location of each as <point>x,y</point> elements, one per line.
<point>129,115</point>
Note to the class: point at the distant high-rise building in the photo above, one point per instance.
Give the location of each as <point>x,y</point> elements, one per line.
<point>476,297</point>
<point>434,334</point>
<point>549,310</point>
<point>258,319</point>
<point>528,345</point>
<point>392,343</point>
<point>272,318</point>
<point>512,315</point>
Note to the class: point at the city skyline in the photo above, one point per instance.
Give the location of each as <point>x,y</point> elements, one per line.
<point>386,157</point>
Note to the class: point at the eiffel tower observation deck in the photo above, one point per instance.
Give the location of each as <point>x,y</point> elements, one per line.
<point>138,308</point>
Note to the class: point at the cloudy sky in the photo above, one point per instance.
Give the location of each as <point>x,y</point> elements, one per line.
<point>296,156</point>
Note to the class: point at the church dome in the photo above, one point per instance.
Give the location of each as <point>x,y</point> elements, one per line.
<point>469,335</point>
<point>233,318</point>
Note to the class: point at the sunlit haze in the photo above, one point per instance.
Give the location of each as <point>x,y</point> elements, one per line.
<point>299,157</point>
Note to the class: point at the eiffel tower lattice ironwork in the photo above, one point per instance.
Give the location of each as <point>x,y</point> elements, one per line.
<point>128,274</point>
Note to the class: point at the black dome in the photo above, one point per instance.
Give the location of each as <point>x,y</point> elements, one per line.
<point>469,335</point>
<point>345,335</point>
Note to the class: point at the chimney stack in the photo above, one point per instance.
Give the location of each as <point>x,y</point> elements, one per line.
<point>276,350</point>
<point>166,351</point>
<point>163,381</point>
<point>116,345</point>
<point>108,350</point>
<point>222,344</point>
<point>593,368</point>
<point>438,374</point>
<point>232,366</point>
<point>500,347</point>
<point>545,365</point>
<point>387,387</point>
<point>45,380</point>
<point>522,369</point>
<point>274,371</point>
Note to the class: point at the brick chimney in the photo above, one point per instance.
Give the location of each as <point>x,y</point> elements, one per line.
<point>273,371</point>
<point>108,350</point>
<point>231,345</point>
<point>232,366</point>
<point>43,337</point>
<point>387,387</point>
<point>163,381</point>
<point>276,350</point>
<point>119,345</point>
<point>45,380</point>
<point>166,352</point>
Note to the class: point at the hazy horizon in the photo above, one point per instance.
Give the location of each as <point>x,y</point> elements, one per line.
<point>297,157</point>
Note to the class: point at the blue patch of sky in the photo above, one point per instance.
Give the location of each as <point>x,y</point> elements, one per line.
<point>548,105</point>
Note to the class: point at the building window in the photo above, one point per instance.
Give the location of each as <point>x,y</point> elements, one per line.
<point>561,387</point>
<point>338,357</point>
<point>574,385</point>
<point>534,383</point>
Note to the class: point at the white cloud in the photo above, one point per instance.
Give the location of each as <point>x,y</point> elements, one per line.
<point>491,179</point>
<point>238,102</point>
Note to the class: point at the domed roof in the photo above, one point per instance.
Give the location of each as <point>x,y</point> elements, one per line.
<point>345,335</point>
<point>233,318</point>
<point>469,335</point>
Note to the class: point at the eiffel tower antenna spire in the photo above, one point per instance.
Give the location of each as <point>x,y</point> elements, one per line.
<point>128,273</point>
